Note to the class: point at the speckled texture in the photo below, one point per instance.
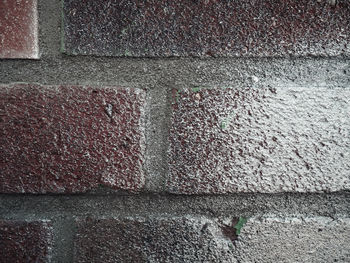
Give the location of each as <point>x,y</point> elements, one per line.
<point>25,241</point>
<point>65,139</point>
<point>176,239</point>
<point>259,139</point>
<point>207,28</point>
<point>19,29</point>
<point>159,76</point>
<point>290,240</point>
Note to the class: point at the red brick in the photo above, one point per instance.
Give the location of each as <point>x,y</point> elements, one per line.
<point>25,241</point>
<point>19,29</point>
<point>283,139</point>
<point>158,239</point>
<point>207,28</point>
<point>64,139</point>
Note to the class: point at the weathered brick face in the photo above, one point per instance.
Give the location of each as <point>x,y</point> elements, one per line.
<point>70,139</point>
<point>176,239</point>
<point>19,29</point>
<point>284,139</point>
<point>207,28</point>
<point>25,241</point>
<point>271,239</point>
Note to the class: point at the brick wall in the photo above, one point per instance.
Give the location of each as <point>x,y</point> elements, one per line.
<point>175,131</point>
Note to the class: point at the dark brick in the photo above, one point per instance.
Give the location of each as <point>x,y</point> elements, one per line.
<point>207,28</point>
<point>19,29</point>
<point>152,240</point>
<point>66,139</point>
<point>273,139</point>
<point>25,241</point>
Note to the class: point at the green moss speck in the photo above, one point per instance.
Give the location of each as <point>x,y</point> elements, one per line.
<point>177,95</point>
<point>127,53</point>
<point>223,125</point>
<point>124,31</point>
<point>196,89</point>
<point>240,224</point>
<point>225,122</point>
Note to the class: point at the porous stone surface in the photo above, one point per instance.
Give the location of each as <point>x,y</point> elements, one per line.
<point>25,241</point>
<point>19,29</point>
<point>67,139</point>
<point>319,239</point>
<point>259,139</point>
<point>175,239</point>
<point>207,28</point>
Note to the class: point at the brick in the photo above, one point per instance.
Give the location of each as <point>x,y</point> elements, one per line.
<point>19,29</point>
<point>25,241</point>
<point>163,28</point>
<point>177,239</point>
<point>67,139</point>
<point>294,240</point>
<point>259,139</point>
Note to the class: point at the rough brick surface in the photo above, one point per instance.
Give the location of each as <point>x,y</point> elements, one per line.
<point>294,240</point>
<point>18,29</point>
<point>207,27</point>
<point>70,139</point>
<point>273,139</point>
<point>25,241</point>
<point>152,240</point>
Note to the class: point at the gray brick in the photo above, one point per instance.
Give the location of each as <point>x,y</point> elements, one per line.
<point>294,240</point>
<point>272,139</point>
